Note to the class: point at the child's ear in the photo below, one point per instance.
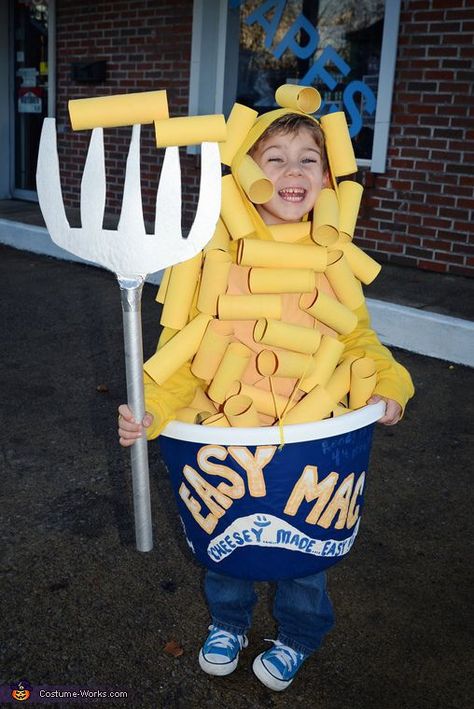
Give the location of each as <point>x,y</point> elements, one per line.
<point>326,180</point>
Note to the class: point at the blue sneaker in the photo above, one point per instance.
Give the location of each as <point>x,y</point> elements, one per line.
<point>220,653</point>
<point>276,668</point>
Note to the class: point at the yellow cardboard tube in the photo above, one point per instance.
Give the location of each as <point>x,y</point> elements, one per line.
<point>343,282</point>
<point>254,182</point>
<point>234,213</point>
<point>182,346</point>
<point>217,420</point>
<point>179,294</point>
<point>249,307</point>
<point>304,98</point>
<point>240,411</point>
<point>220,239</point>
<point>297,338</point>
<point>324,229</point>
<point>290,232</point>
<point>324,363</point>
<point>188,414</point>
<point>283,363</point>
<point>265,401</point>
<point>165,279</point>
<point>363,380</point>
<point>338,144</point>
<point>118,110</point>
<point>233,365</point>
<point>240,121</point>
<point>215,275</point>
<point>329,311</point>
<point>340,382</point>
<point>202,402</point>
<point>281,280</point>
<point>252,252</point>
<point>363,266</point>
<point>316,405</point>
<point>349,195</point>
<point>211,350</point>
<point>190,130</point>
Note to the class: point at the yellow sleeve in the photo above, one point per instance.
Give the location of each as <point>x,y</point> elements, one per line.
<point>393,380</point>
<point>164,400</point>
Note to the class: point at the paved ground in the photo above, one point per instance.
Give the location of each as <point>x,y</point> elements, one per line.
<point>80,606</point>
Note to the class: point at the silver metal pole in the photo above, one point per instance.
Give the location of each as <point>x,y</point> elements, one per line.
<point>131,293</point>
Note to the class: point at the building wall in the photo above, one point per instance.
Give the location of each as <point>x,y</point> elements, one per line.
<point>147,46</point>
<point>418,213</point>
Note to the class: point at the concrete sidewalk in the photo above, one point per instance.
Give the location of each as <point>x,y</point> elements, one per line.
<point>81,606</point>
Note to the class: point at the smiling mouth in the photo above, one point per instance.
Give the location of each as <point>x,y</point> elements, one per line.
<point>292,194</point>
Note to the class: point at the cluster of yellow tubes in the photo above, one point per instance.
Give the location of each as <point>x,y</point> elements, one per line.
<point>206,317</point>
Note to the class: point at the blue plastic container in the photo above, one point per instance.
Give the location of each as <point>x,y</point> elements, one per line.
<point>253,509</point>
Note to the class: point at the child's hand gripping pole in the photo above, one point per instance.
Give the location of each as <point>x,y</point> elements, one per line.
<point>130,252</point>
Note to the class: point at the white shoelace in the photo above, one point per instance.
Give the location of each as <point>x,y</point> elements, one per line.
<point>286,655</point>
<point>224,639</point>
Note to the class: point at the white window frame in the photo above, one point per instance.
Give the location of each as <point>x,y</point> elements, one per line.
<point>213,69</point>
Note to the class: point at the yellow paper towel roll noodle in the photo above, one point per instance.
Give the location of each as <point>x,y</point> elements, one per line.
<point>180,292</point>
<point>304,98</point>
<point>363,380</point>
<point>249,307</point>
<point>316,405</point>
<point>182,346</point>
<point>233,210</point>
<point>324,229</point>
<point>324,363</point>
<point>251,252</point>
<point>119,110</point>
<point>297,338</point>
<point>190,130</point>
<point>342,280</point>
<point>240,411</point>
<point>363,266</point>
<point>240,121</point>
<point>281,280</point>
<point>255,184</point>
<point>338,144</point>
<point>165,279</point>
<point>233,365</point>
<point>220,239</point>
<point>211,350</point>
<point>329,311</point>
<point>349,196</point>
<point>215,274</point>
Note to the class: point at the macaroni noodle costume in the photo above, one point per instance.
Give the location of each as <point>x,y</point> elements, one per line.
<point>268,324</point>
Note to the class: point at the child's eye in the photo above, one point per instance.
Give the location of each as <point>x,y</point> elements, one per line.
<point>275,160</point>
<point>306,160</point>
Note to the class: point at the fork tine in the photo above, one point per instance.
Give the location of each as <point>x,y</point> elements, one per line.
<point>93,183</point>
<point>48,183</point>
<point>168,196</point>
<point>131,216</point>
<point>209,202</point>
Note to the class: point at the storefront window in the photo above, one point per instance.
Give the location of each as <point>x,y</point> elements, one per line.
<point>30,21</point>
<point>335,46</point>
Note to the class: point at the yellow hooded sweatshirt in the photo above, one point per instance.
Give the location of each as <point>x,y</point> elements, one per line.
<point>393,380</point>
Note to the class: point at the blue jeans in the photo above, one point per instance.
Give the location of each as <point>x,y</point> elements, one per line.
<point>301,607</point>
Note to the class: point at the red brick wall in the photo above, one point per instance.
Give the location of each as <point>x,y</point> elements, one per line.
<point>147,46</point>
<point>420,212</point>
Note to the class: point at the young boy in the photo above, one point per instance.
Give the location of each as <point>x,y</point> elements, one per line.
<point>289,148</point>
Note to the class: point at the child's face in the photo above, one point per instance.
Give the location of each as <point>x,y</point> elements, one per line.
<point>293,163</point>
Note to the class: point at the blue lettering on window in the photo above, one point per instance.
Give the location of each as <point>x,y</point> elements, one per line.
<point>270,26</point>
<point>289,40</point>
<point>353,110</point>
<point>319,71</point>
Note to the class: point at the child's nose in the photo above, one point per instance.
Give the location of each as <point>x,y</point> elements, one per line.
<point>293,168</point>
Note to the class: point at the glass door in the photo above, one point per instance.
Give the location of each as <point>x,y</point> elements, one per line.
<point>30,28</point>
